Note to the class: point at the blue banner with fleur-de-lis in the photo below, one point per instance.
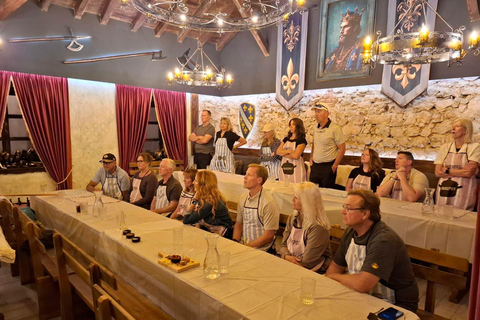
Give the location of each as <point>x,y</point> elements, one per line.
<point>402,83</point>
<point>291,55</point>
<point>246,116</point>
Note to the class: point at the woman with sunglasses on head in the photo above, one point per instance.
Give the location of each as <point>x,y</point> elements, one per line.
<point>458,161</point>
<point>268,152</point>
<point>208,207</point>
<point>369,174</point>
<point>144,182</point>
<point>291,150</point>
<point>225,139</point>
<point>306,240</point>
<point>187,195</point>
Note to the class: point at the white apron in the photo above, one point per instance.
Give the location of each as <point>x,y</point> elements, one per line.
<point>136,195</point>
<point>466,196</point>
<point>112,187</point>
<point>355,258</point>
<point>252,226</point>
<point>161,197</point>
<point>272,166</point>
<point>184,202</point>
<point>295,242</point>
<point>223,159</point>
<point>397,192</point>
<point>299,172</point>
<point>362,182</point>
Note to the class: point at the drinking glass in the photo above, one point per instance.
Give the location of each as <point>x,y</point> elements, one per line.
<point>448,211</point>
<point>308,290</point>
<point>121,223</point>
<point>84,207</point>
<point>223,261</point>
<point>178,241</point>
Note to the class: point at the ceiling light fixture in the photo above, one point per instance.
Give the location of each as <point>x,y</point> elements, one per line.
<point>254,14</point>
<point>420,47</point>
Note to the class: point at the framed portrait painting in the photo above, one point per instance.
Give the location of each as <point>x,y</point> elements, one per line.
<point>343,27</point>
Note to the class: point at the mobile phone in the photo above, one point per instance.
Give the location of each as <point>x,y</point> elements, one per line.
<point>390,314</point>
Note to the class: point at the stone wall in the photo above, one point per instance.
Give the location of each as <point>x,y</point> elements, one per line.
<point>368,117</point>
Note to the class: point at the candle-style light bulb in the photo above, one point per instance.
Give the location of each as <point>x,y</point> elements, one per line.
<point>423,34</point>
<point>474,40</point>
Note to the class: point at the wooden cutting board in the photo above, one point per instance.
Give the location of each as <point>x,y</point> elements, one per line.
<point>177,267</point>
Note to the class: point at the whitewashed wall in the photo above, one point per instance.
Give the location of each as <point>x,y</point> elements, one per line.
<point>367,116</point>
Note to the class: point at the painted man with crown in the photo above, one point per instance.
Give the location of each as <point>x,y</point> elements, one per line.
<point>347,55</point>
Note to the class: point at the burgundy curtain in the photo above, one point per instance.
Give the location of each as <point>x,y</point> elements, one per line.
<point>4,89</point>
<point>172,119</point>
<point>44,104</point>
<point>133,106</point>
<point>474,303</point>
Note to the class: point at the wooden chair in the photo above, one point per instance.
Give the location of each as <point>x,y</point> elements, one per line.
<point>69,254</point>
<point>336,233</point>
<point>426,266</point>
<point>107,308</point>
<point>45,270</point>
<point>180,166</point>
<point>232,210</point>
<point>22,248</point>
<point>6,211</point>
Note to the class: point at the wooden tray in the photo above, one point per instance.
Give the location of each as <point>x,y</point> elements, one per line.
<point>176,266</point>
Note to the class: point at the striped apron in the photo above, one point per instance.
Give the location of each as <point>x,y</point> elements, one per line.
<point>299,172</point>
<point>112,187</point>
<point>223,159</point>
<point>272,166</point>
<point>252,225</point>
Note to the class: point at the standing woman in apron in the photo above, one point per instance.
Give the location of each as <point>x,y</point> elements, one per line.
<point>187,195</point>
<point>291,150</point>
<point>306,240</point>
<point>225,139</point>
<point>208,207</point>
<point>458,161</point>
<point>267,155</point>
<point>144,183</point>
<point>369,174</point>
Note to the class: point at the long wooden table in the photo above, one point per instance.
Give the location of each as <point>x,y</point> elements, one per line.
<point>454,237</point>
<point>258,286</point>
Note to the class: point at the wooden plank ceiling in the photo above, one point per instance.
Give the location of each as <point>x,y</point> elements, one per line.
<point>112,9</point>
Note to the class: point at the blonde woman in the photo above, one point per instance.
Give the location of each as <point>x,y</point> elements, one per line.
<point>370,173</point>
<point>225,139</point>
<point>144,182</point>
<point>187,195</point>
<point>306,240</point>
<point>268,153</point>
<point>458,161</point>
<point>208,207</point>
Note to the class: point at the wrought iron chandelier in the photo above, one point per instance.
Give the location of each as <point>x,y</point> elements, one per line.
<point>420,47</point>
<point>255,14</point>
<point>194,71</point>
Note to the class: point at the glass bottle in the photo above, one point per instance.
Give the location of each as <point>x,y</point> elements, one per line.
<point>98,205</point>
<point>427,207</point>
<point>211,268</point>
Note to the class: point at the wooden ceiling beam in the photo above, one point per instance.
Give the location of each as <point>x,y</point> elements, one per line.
<point>473,9</point>
<point>160,29</point>
<point>138,22</point>
<point>203,38</point>
<point>204,7</point>
<point>7,7</point>
<point>108,11</point>
<point>256,35</point>
<point>222,42</point>
<point>45,5</point>
<point>80,8</point>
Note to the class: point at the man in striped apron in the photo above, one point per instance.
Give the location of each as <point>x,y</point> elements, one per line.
<point>258,215</point>
<point>371,257</point>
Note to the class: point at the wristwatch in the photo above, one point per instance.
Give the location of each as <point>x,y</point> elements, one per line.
<point>447,171</point>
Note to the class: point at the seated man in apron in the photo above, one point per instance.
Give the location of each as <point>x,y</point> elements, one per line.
<point>258,215</point>
<point>168,190</point>
<point>372,257</point>
<point>406,183</point>
<point>115,181</point>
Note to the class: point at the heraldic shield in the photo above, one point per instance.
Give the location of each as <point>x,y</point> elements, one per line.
<point>403,83</point>
<point>246,116</point>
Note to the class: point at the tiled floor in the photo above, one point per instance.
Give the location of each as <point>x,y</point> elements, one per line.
<point>19,302</point>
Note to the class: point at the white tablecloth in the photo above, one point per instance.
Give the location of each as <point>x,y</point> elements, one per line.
<point>258,286</point>
<point>455,237</point>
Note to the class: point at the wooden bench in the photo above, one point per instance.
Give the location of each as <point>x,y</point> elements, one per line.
<point>22,249</point>
<point>133,168</point>
<point>6,212</point>
<point>427,265</point>
<point>336,233</point>
<point>106,306</point>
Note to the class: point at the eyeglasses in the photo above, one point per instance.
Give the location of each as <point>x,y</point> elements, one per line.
<point>140,161</point>
<point>351,209</point>
<point>104,162</point>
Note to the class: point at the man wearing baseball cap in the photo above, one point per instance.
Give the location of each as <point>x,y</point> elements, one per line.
<point>328,148</point>
<point>115,181</point>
